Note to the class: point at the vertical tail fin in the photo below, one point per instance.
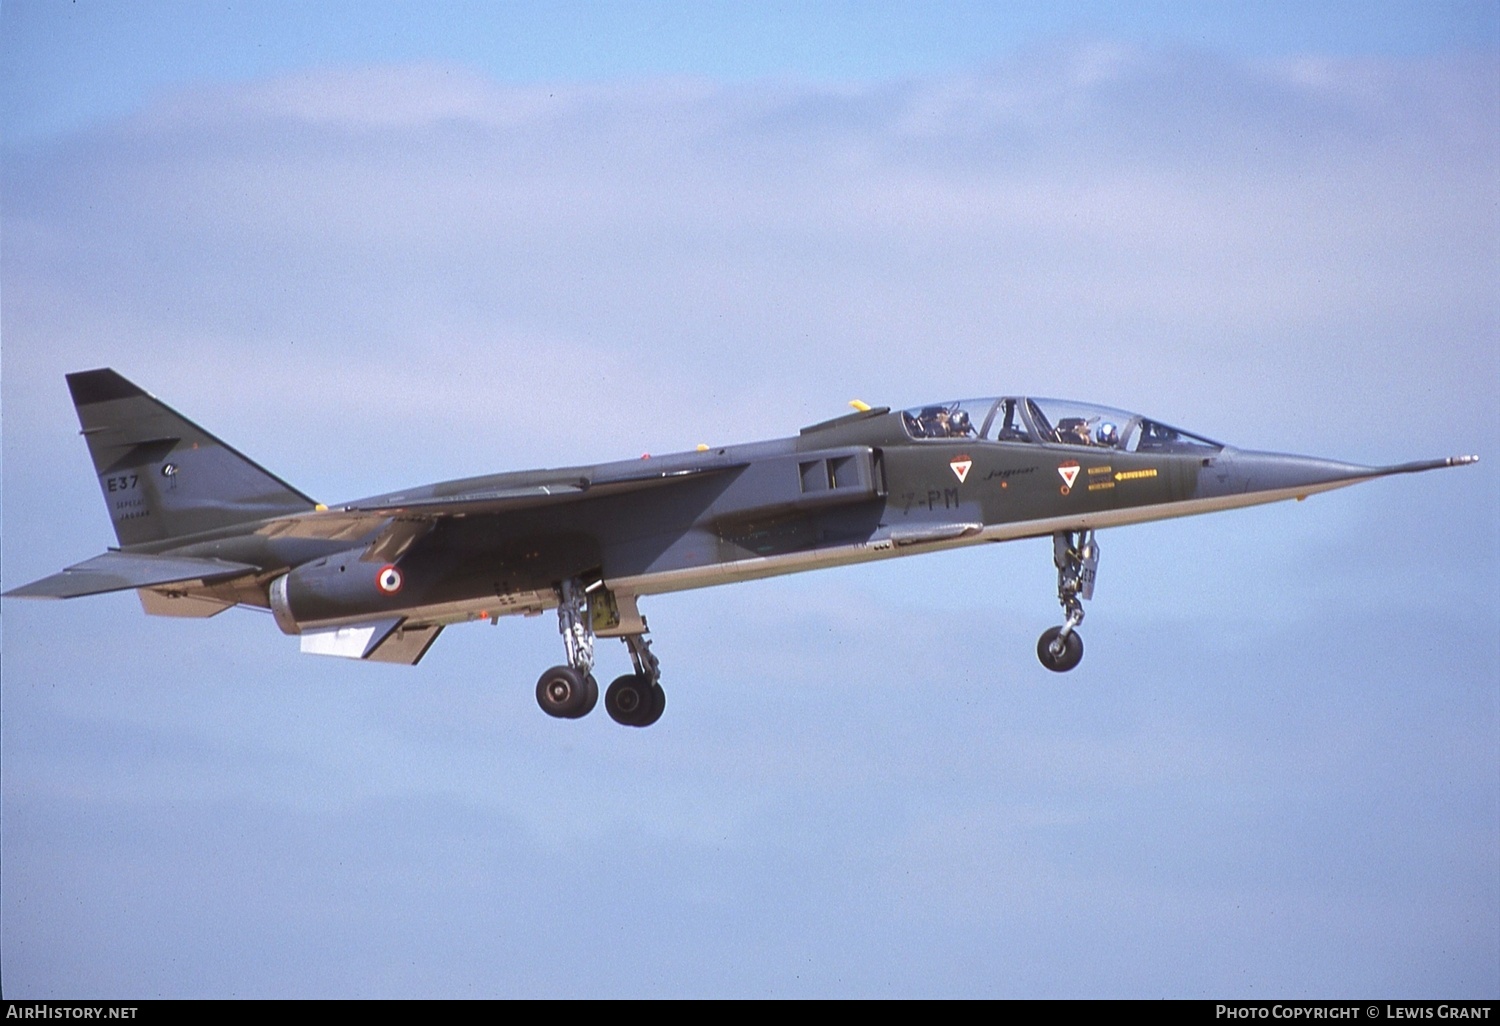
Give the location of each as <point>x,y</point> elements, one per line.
<point>162,475</point>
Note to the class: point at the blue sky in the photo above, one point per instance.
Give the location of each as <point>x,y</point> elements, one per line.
<point>372,248</point>
<point>73,64</point>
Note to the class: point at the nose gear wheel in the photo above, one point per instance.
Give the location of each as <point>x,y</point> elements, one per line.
<point>1069,649</point>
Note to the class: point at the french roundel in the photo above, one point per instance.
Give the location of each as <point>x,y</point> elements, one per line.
<point>389,579</point>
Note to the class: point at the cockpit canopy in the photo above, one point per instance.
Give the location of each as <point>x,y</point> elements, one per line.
<point>1052,422</point>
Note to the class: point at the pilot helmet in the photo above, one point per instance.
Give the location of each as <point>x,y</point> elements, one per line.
<point>959,422</point>
<point>1106,434</point>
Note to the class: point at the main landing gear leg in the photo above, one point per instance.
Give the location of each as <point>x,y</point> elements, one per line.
<point>569,692</point>
<point>637,699</point>
<point>1076,555</point>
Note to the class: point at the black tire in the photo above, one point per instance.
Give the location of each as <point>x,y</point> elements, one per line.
<point>658,706</point>
<point>564,692</point>
<point>1070,656</point>
<point>592,698</point>
<point>630,702</point>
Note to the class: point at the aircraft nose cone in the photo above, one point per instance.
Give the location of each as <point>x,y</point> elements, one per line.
<point>1238,472</point>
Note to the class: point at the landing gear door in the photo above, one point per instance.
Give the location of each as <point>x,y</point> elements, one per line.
<point>1088,559</point>
<point>614,616</point>
<point>1079,561</point>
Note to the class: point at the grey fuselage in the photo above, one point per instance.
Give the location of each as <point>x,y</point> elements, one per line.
<point>857,488</point>
<point>202,528</point>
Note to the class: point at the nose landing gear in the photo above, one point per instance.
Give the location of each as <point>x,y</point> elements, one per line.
<point>1076,555</point>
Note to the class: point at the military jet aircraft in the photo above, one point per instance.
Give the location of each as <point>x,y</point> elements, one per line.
<point>202,528</point>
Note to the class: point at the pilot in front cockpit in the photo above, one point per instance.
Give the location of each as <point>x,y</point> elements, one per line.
<point>941,422</point>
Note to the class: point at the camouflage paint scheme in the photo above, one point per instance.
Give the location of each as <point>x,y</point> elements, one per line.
<point>203,528</point>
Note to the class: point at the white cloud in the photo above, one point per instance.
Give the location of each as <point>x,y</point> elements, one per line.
<point>1119,203</point>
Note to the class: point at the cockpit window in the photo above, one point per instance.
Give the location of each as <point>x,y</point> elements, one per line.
<point>1156,437</point>
<point>1069,423</point>
<point>1050,421</point>
<point>1006,423</point>
<point>946,420</point>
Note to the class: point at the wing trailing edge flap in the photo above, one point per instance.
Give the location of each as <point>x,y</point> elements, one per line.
<point>121,571</point>
<point>384,641</point>
<point>171,602</point>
